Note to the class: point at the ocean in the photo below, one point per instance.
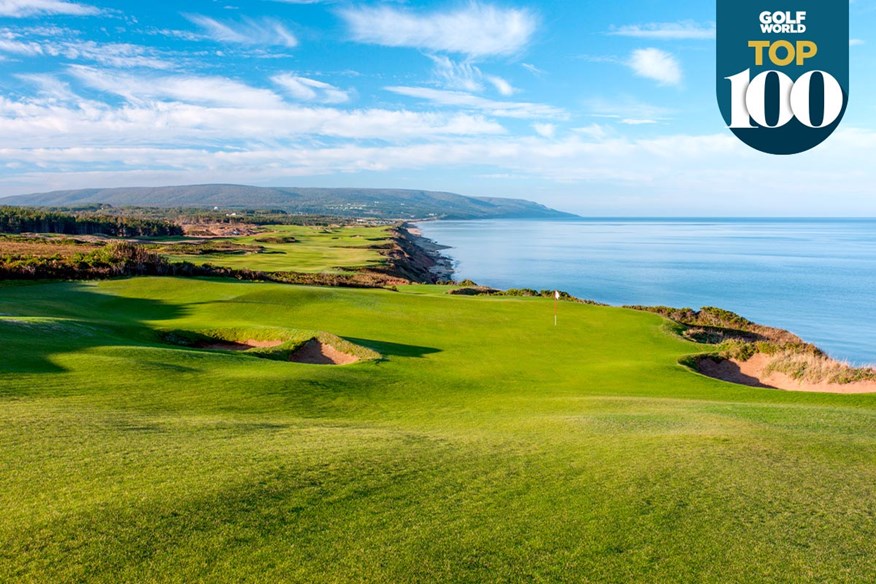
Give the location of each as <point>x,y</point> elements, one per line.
<point>814,277</point>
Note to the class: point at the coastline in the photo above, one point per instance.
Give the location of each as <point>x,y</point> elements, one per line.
<point>419,258</point>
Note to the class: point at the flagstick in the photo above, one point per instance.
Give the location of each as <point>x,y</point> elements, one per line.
<point>556,301</point>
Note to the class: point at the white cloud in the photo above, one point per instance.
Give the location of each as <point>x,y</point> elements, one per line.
<point>202,112</point>
<point>637,122</point>
<point>593,131</point>
<point>508,109</point>
<point>50,88</point>
<point>465,76</point>
<point>451,74</point>
<point>215,91</point>
<point>502,86</point>
<point>265,31</point>
<point>476,30</point>
<point>24,48</point>
<point>667,30</point>
<point>119,55</point>
<point>628,110</point>
<point>25,8</point>
<point>856,42</point>
<point>532,69</point>
<point>545,130</point>
<point>656,64</point>
<point>191,126</point>
<point>185,35</point>
<point>306,89</point>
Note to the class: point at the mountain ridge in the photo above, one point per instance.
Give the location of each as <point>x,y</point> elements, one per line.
<point>345,202</point>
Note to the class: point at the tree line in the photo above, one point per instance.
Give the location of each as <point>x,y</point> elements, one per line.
<point>30,220</point>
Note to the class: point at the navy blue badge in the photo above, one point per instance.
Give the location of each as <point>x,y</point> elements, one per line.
<point>783,71</point>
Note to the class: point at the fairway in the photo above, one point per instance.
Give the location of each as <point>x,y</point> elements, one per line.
<point>486,445</point>
<point>309,249</point>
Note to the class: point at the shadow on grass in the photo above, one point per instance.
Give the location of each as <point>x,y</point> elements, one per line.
<point>39,321</point>
<point>394,349</point>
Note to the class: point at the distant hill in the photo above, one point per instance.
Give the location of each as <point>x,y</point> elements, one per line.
<point>382,203</point>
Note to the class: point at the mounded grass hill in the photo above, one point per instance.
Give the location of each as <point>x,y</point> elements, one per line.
<point>349,202</point>
<point>484,444</point>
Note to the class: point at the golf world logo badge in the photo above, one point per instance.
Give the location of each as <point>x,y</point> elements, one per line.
<point>783,71</point>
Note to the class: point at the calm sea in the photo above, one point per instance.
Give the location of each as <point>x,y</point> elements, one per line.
<point>815,277</point>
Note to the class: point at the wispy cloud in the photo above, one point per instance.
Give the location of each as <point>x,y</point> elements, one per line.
<point>306,89</point>
<point>23,48</point>
<point>476,30</point>
<point>185,35</point>
<point>455,75</point>
<point>215,91</point>
<point>50,88</point>
<point>507,109</point>
<point>683,30</point>
<point>118,55</point>
<point>249,31</point>
<point>466,76</point>
<point>26,8</point>
<point>627,110</point>
<point>637,122</point>
<point>657,65</point>
<point>532,69</point>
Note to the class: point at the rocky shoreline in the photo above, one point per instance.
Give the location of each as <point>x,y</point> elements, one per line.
<point>418,258</point>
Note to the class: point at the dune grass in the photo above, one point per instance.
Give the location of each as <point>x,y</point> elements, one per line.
<point>487,445</point>
<point>315,249</point>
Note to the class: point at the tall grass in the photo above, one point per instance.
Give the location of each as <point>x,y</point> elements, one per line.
<point>738,338</point>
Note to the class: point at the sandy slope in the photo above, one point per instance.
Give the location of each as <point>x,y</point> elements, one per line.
<point>752,372</point>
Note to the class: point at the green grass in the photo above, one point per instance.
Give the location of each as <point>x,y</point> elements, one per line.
<point>486,446</point>
<point>318,249</point>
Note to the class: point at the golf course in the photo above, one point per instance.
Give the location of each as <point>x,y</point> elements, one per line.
<point>473,441</point>
<point>437,292</point>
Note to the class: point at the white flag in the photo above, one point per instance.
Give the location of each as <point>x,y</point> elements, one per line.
<point>557,294</point>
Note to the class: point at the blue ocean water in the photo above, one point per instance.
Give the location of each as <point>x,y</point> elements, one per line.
<point>814,277</point>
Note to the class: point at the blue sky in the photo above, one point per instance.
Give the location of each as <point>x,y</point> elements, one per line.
<point>601,108</point>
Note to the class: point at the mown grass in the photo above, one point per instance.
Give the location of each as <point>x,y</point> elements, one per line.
<point>488,445</point>
<point>315,249</point>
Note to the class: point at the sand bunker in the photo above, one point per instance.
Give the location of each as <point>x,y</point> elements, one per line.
<point>753,373</point>
<point>316,352</point>
<point>239,346</point>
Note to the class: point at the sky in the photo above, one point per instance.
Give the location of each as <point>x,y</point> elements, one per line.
<point>599,108</point>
